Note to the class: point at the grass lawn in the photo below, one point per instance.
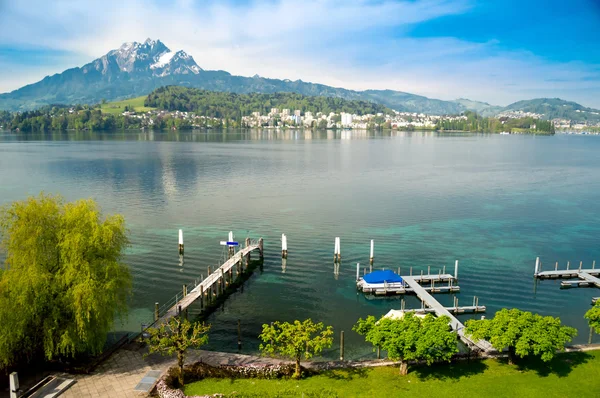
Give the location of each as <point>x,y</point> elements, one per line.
<point>119,106</point>
<point>573,374</point>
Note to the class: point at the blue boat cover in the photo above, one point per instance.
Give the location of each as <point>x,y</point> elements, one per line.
<point>382,276</point>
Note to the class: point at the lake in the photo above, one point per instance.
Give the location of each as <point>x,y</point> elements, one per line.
<point>492,202</point>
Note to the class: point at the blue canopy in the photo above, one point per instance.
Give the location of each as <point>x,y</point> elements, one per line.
<point>382,276</point>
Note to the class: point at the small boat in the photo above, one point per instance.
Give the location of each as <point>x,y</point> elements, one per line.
<point>504,133</point>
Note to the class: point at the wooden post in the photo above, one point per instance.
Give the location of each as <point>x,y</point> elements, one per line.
<point>208,270</point>
<point>247,255</point>
<point>342,345</point>
<point>201,296</point>
<point>156,311</point>
<point>184,290</point>
<point>222,281</point>
<point>260,248</point>
<point>239,330</point>
<point>180,242</point>
<point>371,257</point>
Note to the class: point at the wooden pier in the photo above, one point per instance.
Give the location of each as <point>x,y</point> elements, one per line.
<point>215,283</point>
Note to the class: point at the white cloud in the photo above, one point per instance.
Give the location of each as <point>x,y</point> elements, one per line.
<point>341,43</point>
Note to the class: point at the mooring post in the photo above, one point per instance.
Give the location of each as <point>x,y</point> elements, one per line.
<point>357,271</point>
<point>184,290</point>
<point>283,246</point>
<point>156,311</point>
<point>568,265</point>
<point>371,257</point>
<point>410,271</point>
<point>456,269</point>
<point>556,266</point>
<point>428,270</point>
<point>580,265</point>
<point>247,256</point>
<point>399,271</point>
<point>342,345</point>
<point>477,301</point>
<point>239,335</point>
<point>208,270</point>
<point>181,242</point>
<point>201,296</point>
<point>444,270</point>
<point>594,264</point>
<point>14,385</point>
<point>473,301</point>
<point>260,248</point>
<point>222,281</point>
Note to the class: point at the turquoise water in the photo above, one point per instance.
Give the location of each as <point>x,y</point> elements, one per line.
<point>492,202</point>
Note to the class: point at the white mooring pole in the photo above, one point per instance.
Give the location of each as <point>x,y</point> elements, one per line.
<point>372,251</point>
<point>456,269</point>
<point>357,270</point>
<point>537,265</point>
<point>180,242</point>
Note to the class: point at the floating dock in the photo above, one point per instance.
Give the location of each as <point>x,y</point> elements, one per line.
<point>585,277</point>
<point>386,282</point>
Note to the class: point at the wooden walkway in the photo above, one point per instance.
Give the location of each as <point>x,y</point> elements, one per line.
<point>441,310</point>
<point>214,281</point>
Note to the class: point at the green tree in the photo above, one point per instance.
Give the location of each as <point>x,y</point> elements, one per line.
<point>296,340</point>
<point>593,317</point>
<point>522,333</point>
<point>410,338</point>
<point>63,282</point>
<point>175,337</point>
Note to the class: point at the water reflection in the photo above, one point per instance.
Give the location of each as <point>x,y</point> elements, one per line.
<point>210,135</point>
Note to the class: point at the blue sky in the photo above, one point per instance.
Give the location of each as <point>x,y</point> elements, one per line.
<point>494,51</point>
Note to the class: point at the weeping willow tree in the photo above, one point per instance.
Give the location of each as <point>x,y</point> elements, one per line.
<point>63,282</point>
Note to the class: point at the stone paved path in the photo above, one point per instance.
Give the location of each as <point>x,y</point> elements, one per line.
<point>123,370</point>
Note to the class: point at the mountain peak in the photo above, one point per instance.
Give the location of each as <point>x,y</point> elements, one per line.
<point>150,58</point>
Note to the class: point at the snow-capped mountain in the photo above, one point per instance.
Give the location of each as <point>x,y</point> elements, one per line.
<point>150,57</point>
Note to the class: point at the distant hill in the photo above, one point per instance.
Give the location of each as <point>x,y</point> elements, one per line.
<point>553,108</point>
<point>136,69</point>
<point>482,108</point>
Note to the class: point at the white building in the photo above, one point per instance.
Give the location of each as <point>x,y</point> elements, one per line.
<point>346,119</point>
